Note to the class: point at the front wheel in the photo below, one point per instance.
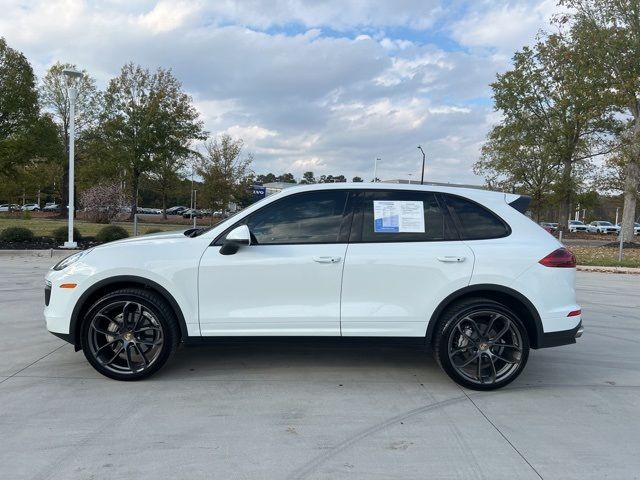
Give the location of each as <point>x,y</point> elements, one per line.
<point>129,334</point>
<point>481,344</point>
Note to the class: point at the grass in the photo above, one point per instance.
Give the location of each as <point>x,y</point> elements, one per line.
<point>42,227</point>
<point>606,256</point>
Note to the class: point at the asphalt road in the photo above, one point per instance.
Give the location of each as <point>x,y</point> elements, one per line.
<point>315,411</point>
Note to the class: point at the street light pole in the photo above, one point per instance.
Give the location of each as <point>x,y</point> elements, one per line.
<point>423,160</point>
<point>72,91</point>
<point>375,170</point>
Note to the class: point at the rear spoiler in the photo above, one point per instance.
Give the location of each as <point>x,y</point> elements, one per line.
<point>521,203</point>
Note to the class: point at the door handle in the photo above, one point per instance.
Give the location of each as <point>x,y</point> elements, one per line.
<point>327,259</point>
<point>451,259</point>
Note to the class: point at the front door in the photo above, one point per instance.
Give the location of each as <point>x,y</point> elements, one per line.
<point>288,281</point>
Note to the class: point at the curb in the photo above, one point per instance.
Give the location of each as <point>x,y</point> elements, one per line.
<point>627,270</point>
<point>48,253</point>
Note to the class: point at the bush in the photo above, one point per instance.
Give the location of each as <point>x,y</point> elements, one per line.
<point>60,234</point>
<point>111,233</point>
<point>26,215</point>
<point>16,234</point>
<point>103,203</point>
<point>153,230</point>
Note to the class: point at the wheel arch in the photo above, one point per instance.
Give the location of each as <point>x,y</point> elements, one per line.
<point>111,284</point>
<point>507,296</point>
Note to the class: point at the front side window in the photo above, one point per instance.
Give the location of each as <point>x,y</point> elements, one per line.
<point>476,222</point>
<point>404,216</point>
<point>313,217</point>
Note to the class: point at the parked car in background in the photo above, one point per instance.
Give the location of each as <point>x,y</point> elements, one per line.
<point>484,284</point>
<point>52,207</point>
<point>636,228</point>
<point>549,226</point>
<point>603,227</point>
<point>10,207</point>
<point>30,207</point>
<point>577,226</point>
<point>192,212</point>
<point>177,210</point>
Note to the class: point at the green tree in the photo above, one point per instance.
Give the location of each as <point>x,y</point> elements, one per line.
<point>308,178</point>
<point>147,119</point>
<point>608,32</point>
<point>223,168</point>
<point>26,136</point>
<point>550,97</point>
<point>286,178</point>
<point>268,178</point>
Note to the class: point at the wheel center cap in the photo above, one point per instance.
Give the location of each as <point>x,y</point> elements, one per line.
<point>483,346</point>
<point>128,336</point>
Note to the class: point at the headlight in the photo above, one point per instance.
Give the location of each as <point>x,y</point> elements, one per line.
<point>71,259</point>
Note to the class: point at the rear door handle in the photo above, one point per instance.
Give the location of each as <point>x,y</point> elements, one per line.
<point>327,259</point>
<point>451,258</point>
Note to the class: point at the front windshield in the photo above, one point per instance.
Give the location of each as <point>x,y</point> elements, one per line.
<point>606,224</point>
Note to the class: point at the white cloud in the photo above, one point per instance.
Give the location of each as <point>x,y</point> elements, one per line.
<point>324,86</point>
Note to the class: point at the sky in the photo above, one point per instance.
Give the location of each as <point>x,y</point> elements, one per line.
<point>325,85</point>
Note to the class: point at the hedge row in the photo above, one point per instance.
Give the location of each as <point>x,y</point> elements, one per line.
<point>22,235</point>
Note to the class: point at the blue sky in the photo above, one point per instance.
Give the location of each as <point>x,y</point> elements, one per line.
<point>326,86</point>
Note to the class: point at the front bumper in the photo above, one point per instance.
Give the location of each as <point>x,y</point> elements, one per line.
<point>563,337</point>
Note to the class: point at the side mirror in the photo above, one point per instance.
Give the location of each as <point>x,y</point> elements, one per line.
<point>236,238</point>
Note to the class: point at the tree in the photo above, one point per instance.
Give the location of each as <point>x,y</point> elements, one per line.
<point>308,178</point>
<point>54,98</point>
<point>148,119</point>
<point>268,178</point>
<point>357,180</point>
<point>286,178</point>
<point>608,33</point>
<point>551,98</point>
<point>513,158</point>
<point>223,169</point>
<point>103,203</point>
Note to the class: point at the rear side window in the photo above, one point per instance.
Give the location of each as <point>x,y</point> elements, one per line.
<point>404,216</point>
<point>475,221</point>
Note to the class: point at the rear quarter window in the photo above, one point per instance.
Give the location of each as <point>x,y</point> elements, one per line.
<point>475,222</point>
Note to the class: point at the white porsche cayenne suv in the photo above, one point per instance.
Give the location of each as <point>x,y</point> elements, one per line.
<point>461,271</point>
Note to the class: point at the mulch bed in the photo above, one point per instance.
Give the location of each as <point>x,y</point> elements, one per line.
<point>43,243</point>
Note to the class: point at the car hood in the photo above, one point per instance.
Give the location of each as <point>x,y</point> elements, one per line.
<point>153,238</point>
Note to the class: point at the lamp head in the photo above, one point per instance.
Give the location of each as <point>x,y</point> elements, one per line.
<point>72,74</point>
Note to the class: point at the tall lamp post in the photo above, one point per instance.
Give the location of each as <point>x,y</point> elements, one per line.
<point>73,76</point>
<point>375,170</point>
<point>423,160</point>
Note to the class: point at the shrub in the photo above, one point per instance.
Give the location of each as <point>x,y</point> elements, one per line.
<point>111,233</point>
<point>60,234</point>
<point>16,234</point>
<point>26,215</point>
<point>103,203</point>
<point>153,230</point>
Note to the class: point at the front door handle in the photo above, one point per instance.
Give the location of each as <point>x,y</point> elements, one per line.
<point>451,258</point>
<point>327,259</point>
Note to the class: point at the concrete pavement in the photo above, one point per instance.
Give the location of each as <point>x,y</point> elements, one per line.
<point>315,411</point>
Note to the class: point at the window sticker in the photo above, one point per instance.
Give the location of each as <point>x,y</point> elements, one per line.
<point>390,216</point>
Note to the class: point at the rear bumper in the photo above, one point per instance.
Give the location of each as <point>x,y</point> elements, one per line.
<point>563,337</point>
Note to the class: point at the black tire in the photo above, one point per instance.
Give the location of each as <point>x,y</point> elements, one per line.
<point>129,334</point>
<point>486,356</point>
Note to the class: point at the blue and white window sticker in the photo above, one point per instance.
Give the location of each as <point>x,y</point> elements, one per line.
<point>390,216</point>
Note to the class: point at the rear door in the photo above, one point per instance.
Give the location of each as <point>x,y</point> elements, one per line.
<point>404,257</point>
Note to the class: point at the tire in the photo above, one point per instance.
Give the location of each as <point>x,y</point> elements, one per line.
<point>129,334</point>
<point>477,352</point>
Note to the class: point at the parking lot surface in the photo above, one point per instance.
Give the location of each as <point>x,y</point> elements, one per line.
<point>287,411</point>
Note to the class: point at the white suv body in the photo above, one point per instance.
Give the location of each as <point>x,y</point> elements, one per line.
<point>350,260</point>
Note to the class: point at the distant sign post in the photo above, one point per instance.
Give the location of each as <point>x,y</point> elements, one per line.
<point>259,192</point>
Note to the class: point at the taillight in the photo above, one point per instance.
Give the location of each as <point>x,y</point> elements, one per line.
<point>561,257</point>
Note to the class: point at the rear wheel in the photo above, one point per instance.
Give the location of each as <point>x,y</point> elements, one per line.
<point>481,344</point>
<point>129,334</point>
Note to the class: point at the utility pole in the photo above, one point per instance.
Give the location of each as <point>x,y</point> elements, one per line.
<point>375,170</point>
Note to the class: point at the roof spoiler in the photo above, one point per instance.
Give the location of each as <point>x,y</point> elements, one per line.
<point>521,203</point>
